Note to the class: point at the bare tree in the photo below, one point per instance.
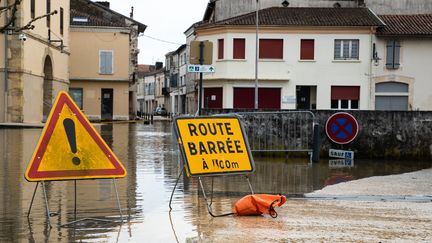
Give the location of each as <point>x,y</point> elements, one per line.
<point>11,11</point>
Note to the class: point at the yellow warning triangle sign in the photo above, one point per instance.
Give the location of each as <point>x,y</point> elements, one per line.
<point>70,148</point>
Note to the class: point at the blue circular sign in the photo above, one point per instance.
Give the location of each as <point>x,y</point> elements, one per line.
<point>341,128</point>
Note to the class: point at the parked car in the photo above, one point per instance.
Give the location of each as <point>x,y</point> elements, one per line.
<point>160,111</point>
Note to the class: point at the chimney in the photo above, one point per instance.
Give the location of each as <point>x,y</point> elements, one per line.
<point>131,13</point>
<point>104,3</point>
<point>159,65</point>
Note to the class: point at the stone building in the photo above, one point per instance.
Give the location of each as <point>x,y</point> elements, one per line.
<point>34,63</point>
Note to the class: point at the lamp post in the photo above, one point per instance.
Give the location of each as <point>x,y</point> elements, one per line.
<point>256,55</point>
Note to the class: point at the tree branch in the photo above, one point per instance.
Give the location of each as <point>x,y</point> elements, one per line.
<point>14,9</point>
<point>29,25</point>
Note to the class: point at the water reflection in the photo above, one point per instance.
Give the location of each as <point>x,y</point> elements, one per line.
<point>150,156</point>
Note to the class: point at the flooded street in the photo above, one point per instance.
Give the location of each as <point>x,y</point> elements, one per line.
<point>150,156</point>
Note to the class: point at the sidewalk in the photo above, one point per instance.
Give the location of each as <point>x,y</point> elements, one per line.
<point>366,220</point>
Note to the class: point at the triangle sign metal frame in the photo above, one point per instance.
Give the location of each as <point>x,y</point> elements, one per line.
<point>33,173</point>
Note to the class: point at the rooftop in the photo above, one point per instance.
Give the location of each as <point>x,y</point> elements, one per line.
<point>286,16</point>
<point>88,13</point>
<point>406,25</point>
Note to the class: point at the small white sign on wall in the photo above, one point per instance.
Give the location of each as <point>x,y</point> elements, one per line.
<point>213,97</point>
<point>289,99</point>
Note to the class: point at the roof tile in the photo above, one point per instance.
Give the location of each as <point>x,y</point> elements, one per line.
<point>406,25</point>
<point>286,16</point>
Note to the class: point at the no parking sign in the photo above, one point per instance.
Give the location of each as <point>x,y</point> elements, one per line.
<point>342,128</point>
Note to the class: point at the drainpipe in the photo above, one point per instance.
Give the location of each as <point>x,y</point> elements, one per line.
<point>371,95</point>
<point>6,71</point>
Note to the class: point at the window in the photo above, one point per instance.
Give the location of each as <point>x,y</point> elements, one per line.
<point>32,9</point>
<point>48,10</point>
<point>221,49</point>
<point>239,49</point>
<point>345,97</point>
<point>77,96</point>
<point>346,49</point>
<point>307,49</point>
<point>393,54</point>
<point>271,48</point>
<point>106,62</point>
<point>61,21</point>
<point>391,96</point>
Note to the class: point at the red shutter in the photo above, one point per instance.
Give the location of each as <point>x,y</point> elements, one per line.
<point>271,48</point>
<point>221,49</point>
<point>269,98</point>
<point>345,92</point>
<point>307,50</point>
<point>239,49</point>
<point>244,98</point>
<point>213,98</point>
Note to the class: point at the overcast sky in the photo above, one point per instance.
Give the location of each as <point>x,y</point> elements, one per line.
<point>165,20</point>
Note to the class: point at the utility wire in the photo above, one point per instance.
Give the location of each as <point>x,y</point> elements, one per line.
<point>165,41</point>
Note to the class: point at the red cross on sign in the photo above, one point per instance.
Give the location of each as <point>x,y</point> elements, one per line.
<point>341,128</point>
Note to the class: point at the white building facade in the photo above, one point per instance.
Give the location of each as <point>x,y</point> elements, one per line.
<point>401,74</point>
<point>320,62</point>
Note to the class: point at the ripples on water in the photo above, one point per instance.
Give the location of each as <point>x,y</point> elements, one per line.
<point>150,156</point>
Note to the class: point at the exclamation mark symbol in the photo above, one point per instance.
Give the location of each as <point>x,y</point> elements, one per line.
<point>69,126</point>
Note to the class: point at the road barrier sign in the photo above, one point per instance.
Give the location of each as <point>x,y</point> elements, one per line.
<point>201,69</point>
<point>214,145</point>
<point>341,128</point>
<point>343,154</point>
<point>70,148</point>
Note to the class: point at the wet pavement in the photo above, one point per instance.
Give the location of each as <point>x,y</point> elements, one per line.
<point>150,156</point>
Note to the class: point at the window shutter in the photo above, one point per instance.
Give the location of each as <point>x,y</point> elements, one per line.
<point>393,54</point>
<point>221,49</point>
<point>307,50</point>
<point>271,48</point>
<point>102,62</point>
<point>106,62</point>
<point>239,49</point>
<point>396,57</point>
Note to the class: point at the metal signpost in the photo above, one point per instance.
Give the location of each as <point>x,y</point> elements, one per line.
<point>71,149</point>
<point>201,52</point>
<point>212,146</point>
<point>341,128</point>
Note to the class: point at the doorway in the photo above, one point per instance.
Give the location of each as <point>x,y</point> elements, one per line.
<point>306,97</point>
<point>107,102</point>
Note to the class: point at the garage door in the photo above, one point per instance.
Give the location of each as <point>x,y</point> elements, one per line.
<point>268,98</point>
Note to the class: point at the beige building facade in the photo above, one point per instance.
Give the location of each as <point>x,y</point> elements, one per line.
<point>103,60</point>
<point>33,62</point>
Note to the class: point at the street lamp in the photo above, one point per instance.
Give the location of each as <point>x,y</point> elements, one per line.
<point>256,55</point>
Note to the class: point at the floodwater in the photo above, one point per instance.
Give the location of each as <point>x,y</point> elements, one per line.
<point>150,156</point>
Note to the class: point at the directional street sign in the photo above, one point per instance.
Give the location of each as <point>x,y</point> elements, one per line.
<point>213,145</point>
<point>70,148</point>
<point>200,69</point>
<point>341,128</point>
<point>342,154</point>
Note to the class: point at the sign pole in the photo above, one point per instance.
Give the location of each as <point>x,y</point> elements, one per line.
<point>201,60</point>
<point>46,204</point>
<point>31,203</point>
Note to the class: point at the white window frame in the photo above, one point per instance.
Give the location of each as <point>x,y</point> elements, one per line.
<point>112,62</point>
<point>350,54</point>
<point>349,105</point>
